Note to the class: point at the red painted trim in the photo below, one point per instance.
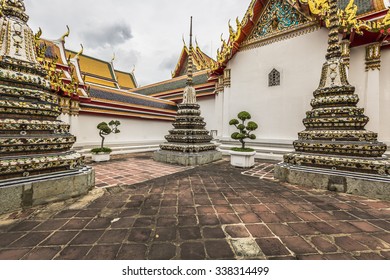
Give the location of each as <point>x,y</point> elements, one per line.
<point>130,107</point>
<point>122,116</point>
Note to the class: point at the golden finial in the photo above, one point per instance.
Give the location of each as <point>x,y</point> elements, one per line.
<point>184,41</point>
<point>66,34</point>
<point>80,52</point>
<point>196,43</point>
<point>38,34</point>
<point>238,22</point>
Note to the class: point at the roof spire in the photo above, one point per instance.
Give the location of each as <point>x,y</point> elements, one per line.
<point>190,62</point>
<point>334,50</point>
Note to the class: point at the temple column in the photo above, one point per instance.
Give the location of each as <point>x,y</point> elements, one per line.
<point>345,52</point>
<point>219,108</point>
<point>372,89</point>
<point>226,103</point>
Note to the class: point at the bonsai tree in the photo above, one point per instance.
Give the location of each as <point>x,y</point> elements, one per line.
<point>245,130</point>
<point>104,130</point>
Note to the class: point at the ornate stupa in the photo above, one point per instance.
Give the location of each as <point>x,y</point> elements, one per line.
<point>189,141</point>
<point>33,143</point>
<point>335,138</point>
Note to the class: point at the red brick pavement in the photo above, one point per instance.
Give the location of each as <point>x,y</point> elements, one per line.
<point>131,169</point>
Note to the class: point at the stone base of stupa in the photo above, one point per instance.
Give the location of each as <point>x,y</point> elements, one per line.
<point>21,193</point>
<point>369,185</point>
<point>187,159</point>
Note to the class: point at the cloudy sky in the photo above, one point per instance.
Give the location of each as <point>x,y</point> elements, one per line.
<point>144,33</point>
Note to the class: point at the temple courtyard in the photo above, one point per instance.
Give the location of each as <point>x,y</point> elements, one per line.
<point>141,209</point>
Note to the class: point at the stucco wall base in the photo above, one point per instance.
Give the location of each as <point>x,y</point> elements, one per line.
<point>187,159</point>
<point>371,186</point>
<point>26,192</point>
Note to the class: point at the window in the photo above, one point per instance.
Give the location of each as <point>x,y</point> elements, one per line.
<point>274,78</point>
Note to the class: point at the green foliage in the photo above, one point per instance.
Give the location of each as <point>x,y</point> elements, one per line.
<point>244,130</point>
<point>251,126</point>
<point>244,116</point>
<point>101,150</point>
<point>234,122</point>
<point>106,129</point>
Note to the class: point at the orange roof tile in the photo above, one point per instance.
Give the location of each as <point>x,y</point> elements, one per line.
<point>92,80</point>
<point>125,80</point>
<point>93,66</point>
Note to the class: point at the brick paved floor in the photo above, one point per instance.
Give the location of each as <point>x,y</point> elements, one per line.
<point>131,169</point>
<point>208,212</point>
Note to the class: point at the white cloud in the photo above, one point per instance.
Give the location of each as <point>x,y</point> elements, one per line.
<point>146,33</point>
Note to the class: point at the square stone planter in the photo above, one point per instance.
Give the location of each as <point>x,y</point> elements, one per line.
<point>101,157</point>
<point>242,159</point>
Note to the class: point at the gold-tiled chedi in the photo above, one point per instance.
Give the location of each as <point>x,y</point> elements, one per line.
<point>32,141</point>
<point>335,137</point>
<point>189,141</point>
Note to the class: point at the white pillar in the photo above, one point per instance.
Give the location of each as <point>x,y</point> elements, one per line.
<point>372,89</point>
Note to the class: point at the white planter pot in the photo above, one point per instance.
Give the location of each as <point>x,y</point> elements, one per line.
<point>101,157</point>
<point>242,159</point>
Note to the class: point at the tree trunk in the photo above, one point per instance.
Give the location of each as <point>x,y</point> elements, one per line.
<point>242,144</point>
<point>101,135</point>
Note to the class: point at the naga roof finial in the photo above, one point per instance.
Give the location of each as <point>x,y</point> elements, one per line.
<point>66,34</point>
<point>80,52</point>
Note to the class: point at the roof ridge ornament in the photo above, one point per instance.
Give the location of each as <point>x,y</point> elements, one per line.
<point>66,34</point>
<point>80,52</point>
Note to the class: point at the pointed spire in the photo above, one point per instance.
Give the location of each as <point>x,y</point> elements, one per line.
<point>334,50</point>
<point>190,62</point>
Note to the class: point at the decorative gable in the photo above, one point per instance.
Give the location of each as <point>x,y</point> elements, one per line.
<point>277,17</point>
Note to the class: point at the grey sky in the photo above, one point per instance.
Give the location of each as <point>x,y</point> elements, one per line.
<point>144,33</point>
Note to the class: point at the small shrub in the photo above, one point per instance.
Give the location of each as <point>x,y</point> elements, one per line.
<point>106,129</point>
<point>246,150</point>
<point>244,129</point>
<point>101,150</point>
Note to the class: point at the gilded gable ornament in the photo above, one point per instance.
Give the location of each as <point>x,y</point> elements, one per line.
<point>278,16</point>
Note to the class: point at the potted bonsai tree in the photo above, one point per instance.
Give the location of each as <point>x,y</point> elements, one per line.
<point>243,157</point>
<point>103,153</point>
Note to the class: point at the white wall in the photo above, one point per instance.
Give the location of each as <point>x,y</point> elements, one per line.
<point>133,131</point>
<point>384,133</point>
<point>278,110</point>
<point>207,108</point>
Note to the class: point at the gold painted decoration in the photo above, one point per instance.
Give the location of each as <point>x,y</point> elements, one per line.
<point>373,57</point>
<point>277,16</point>
<point>32,140</point>
<point>348,18</point>
<point>335,137</point>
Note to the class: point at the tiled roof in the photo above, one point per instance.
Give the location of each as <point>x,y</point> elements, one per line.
<point>172,84</point>
<point>364,6</point>
<point>101,82</point>
<point>125,80</point>
<point>94,66</point>
<point>201,61</point>
<point>102,93</point>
